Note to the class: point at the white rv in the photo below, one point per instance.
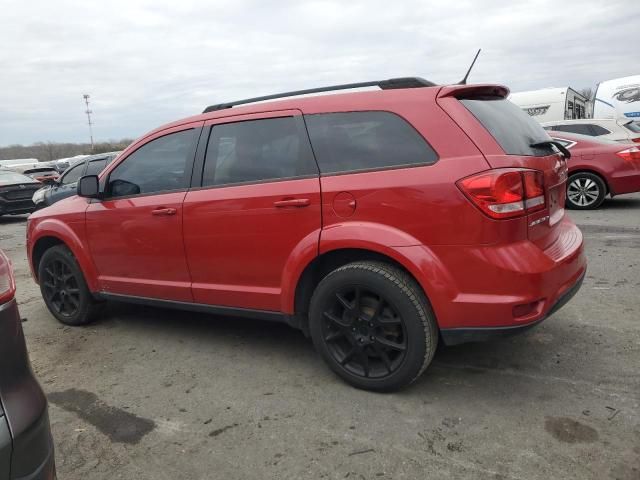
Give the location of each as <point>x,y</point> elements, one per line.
<point>550,104</point>
<point>618,98</point>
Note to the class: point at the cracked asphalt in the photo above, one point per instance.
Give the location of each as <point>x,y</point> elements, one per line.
<point>158,394</point>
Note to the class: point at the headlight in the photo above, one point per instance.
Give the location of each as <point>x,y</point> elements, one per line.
<point>38,196</point>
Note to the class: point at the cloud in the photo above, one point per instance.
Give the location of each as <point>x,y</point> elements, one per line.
<point>149,62</point>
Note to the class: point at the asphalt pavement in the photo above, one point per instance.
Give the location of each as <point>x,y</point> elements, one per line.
<point>156,394</point>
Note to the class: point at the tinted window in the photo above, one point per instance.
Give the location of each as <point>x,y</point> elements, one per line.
<point>633,126</point>
<point>352,141</point>
<point>598,130</point>
<point>257,150</point>
<point>576,137</point>
<point>155,167</point>
<point>582,129</point>
<point>73,174</point>
<point>514,130</point>
<point>96,166</point>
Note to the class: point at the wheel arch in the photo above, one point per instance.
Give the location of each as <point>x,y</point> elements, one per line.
<point>329,260</point>
<point>51,233</point>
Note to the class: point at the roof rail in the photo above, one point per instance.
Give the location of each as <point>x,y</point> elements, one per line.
<point>404,82</point>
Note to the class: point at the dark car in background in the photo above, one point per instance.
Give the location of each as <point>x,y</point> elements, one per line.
<point>66,184</point>
<point>26,446</point>
<point>16,191</point>
<point>598,167</point>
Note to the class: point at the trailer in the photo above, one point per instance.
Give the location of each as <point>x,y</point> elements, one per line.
<point>618,98</point>
<point>552,104</point>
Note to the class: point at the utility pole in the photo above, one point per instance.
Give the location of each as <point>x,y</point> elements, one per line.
<point>89,112</point>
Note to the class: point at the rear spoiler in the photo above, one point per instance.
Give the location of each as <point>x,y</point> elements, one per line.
<point>471,91</point>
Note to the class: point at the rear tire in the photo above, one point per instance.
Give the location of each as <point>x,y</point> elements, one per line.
<point>373,326</point>
<point>585,191</point>
<point>64,288</point>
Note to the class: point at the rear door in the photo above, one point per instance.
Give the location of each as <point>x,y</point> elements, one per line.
<point>258,205</point>
<point>505,134</point>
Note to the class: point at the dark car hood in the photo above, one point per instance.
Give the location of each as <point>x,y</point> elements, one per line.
<point>35,183</point>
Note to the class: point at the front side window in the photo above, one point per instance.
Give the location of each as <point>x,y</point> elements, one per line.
<point>157,166</point>
<point>73,174</point>
<point>257,151</point>
<point>353,141</point>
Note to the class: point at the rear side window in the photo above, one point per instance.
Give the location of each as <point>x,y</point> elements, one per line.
<point>565,143</point>
<point>633,126</point>
<point>513,129</point>
<point>257,151</point>
<point>344,142</point>
<point>582,129</point>
<point>598,130</point>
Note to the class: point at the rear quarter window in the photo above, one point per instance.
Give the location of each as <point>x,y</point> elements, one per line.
<point>354,141</point>
<point>513,129</point>
<point>598,130</point>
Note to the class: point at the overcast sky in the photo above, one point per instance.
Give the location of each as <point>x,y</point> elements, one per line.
<point>145,63</point>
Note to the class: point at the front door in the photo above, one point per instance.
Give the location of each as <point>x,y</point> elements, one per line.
<point>259,204</point>
<point>135,232</point>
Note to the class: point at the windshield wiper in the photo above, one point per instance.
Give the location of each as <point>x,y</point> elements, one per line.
<point>546,143</point>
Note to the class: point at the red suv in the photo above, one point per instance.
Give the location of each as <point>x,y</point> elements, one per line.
<point>376,221</point>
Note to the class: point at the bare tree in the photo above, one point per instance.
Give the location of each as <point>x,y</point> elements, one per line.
<point>46,151</point>
<point>587,92</point>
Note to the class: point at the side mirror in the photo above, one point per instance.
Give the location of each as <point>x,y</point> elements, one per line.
<point>88,186</point>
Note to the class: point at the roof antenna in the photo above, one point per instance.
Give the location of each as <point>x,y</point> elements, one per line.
<point>464,80</point>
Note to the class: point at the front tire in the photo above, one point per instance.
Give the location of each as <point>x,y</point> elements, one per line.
<point>373,326</point>
<point>585,191</point>
<point>64,288</point>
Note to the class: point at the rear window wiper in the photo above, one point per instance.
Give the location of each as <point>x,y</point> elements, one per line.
<point>546,143</point>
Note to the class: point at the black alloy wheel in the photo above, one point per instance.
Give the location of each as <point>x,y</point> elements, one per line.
<point>364,333</point>
<point>64,288</point>
<point>60,288</point>
<point>373,325</point>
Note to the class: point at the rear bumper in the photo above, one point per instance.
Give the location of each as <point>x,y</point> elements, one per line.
<point>456,336</point>
<point>499,288</point>
<point>626,182</point>
<point>24,403</point>
<point>45,471</point>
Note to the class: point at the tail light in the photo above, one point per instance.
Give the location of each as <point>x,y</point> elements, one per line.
<point>506,192</point>
<point>636,140</point>
<point>7,283</point>
<point>630,154</point>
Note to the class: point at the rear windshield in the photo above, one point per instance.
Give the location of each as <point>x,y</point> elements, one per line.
<point>633,126</point>
<point>513,129</point>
